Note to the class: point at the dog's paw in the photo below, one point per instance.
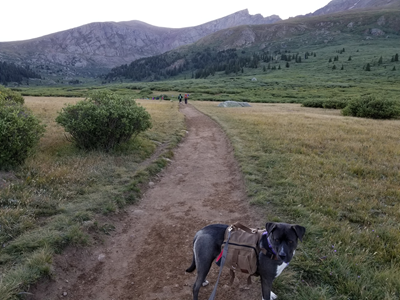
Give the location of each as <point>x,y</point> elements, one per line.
<point>273,296</point>
<point>205,283</point>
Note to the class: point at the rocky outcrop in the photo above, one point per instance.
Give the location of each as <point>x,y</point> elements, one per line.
<point>96,47</point>
<point>345,5</point>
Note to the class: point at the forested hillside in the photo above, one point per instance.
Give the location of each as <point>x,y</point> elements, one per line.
<point>201,64</point>
<point>9,72</point>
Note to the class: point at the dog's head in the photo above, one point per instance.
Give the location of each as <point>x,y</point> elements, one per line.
<point>282,239</point>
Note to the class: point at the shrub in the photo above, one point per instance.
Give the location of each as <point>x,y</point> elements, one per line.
<point>20,131</point>
<point>313,103</point>
<point>370,107</point>
<point>335,103</point>
<point>7,95</point>
<point>103,120</point>
<point>145,93</point>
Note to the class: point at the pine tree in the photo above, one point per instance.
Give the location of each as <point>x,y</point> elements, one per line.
<point>394,68</point>
<point>349,58</point>
<point>380,61</point>
<point>334,67</point>
<point>342,68</point>
<point>368,67</point>
<point>287,65</point>
<point>396,57</point>
<point>330,59</point>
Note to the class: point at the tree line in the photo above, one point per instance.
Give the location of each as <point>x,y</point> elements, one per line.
<point>9,72</point>
<point>201,64</point>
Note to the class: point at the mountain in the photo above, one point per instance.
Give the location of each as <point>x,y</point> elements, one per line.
<point>94,48</point>
<point>346,5</point>
<point>230,50</point>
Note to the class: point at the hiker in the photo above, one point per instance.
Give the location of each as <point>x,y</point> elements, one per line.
<point>186,97</point>
<point>180,98</point>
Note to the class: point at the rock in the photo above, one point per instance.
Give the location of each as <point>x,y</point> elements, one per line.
<point>101,257</point>
<point>381,21</point>
<point>377,32</point>
<point>234,104</point>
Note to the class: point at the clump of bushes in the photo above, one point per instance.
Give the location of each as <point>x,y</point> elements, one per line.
<point>145,93</point>
<point>103,120</point>
<point>8,95</point>
<point>313,103</point>
<point>20,130</point>
<point>371,107</point>
<point>335,103</point>
<point>328,104</point>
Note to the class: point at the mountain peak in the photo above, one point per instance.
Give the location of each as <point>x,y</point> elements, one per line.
<point>346,5</point>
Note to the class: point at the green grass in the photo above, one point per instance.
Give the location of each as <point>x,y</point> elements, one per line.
<point>339,177</point>
<point>312,79</point>
<point>55,198</point>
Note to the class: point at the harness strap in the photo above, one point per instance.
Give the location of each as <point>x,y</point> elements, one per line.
<point>244,228</point>
<point>223,258</point>
<point>269,252</point>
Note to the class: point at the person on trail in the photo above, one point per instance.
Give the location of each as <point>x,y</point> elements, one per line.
<point>180,98</point>
<point>186,97</point>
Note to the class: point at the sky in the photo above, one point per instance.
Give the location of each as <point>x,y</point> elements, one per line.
<point>27,19</point>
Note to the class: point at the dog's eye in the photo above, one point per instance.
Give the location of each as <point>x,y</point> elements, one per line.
<point>290,242</point>
<point>276,240</point>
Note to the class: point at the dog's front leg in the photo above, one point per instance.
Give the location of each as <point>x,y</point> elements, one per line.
<point>266,286</point>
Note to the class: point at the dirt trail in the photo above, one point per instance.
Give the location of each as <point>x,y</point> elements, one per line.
<point>146,256</point>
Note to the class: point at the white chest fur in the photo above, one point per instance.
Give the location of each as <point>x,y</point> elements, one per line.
<point>280,268</point>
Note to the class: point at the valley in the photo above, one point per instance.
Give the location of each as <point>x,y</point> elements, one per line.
<point>71,220</point>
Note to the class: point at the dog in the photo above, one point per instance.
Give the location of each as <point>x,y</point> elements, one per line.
<point>278,244</point>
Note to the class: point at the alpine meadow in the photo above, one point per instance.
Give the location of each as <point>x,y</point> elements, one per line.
<point>318,146</point>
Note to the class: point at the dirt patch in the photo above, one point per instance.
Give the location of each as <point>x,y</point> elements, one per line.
<point>146,256</point>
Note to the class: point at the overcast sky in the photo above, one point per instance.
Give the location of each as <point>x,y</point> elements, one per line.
<point>26,19</point>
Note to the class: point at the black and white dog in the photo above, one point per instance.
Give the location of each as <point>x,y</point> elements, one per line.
<point>278,244</point>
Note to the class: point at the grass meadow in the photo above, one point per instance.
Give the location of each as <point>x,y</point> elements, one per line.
<point>62,196</point>
<point>339,177</point>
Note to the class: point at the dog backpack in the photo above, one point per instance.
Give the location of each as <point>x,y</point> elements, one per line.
<point>243,250</point>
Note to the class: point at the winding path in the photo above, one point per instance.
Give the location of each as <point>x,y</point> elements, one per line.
<point>146,256</point>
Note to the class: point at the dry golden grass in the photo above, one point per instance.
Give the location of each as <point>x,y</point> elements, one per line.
<point>338,176</point>
<point>61,187</point>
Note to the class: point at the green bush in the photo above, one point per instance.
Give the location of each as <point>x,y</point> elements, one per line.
<point>103,120</point>
<point>7,95</point>
<point>20,131</point>
<point>313,103</point>
<point>370,107</point>
<point>328,104</point>
<point>145,93</point>
<point>335,104</point>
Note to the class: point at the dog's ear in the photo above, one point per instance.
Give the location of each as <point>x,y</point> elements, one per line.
<point>300,231</point>
<point>269,227</point>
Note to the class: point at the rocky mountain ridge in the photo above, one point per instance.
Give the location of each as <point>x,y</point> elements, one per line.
<point>347,5</point>
<point>96,47</point>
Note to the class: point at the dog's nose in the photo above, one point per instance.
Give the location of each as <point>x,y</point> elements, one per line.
<point>282,256</point>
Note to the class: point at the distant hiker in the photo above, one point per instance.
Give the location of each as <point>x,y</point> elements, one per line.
<point>180,98</point>
<point>186,97</point>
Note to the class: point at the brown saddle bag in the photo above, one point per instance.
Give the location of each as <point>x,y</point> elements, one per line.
<point>243,250</point>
